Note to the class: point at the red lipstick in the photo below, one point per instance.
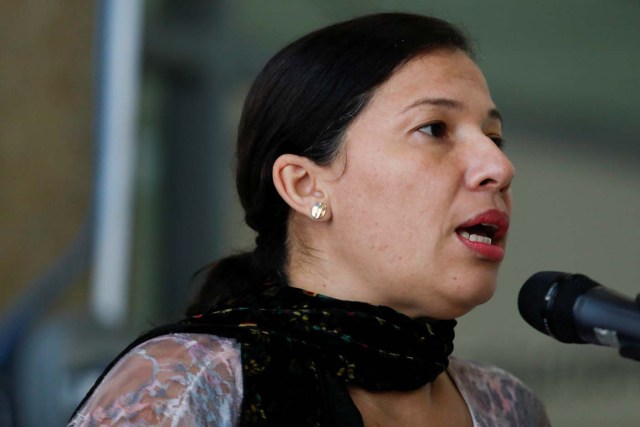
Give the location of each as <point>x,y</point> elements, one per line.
<point>484,234</point>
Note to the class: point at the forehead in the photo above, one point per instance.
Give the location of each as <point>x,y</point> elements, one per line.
<point>440,74</point>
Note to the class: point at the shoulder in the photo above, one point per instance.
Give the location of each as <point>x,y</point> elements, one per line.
<point>496,397</point>
<point>176,379</point>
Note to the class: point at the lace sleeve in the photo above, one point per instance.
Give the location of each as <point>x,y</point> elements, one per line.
<point>172,380</point>
<point>495,397</point>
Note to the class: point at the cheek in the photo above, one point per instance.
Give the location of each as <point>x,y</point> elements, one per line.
<point>382,195</point>
<point>388,213</point>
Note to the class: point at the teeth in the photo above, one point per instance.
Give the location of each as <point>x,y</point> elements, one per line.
<point>476,238</point>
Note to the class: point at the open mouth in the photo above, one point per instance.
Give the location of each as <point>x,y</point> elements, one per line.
<point>487,228</point>
<point>483,233</point>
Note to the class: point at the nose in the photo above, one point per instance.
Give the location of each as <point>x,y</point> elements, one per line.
<point>488,168</point>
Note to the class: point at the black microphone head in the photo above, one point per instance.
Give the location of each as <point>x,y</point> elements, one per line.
<point>546,302</point>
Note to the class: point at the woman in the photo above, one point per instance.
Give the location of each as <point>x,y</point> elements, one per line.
<point>370,166</point>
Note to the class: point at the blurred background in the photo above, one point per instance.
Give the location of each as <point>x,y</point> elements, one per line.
<point>117,125</point>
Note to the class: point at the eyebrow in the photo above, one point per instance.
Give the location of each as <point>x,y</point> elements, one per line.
<point>451,104</point>
<point>495,114</point>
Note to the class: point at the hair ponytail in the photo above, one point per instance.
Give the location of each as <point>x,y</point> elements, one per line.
<point>224,278</point>
<point>241,272</point>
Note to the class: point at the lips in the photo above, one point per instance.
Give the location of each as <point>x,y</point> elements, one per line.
<point>484,234</point>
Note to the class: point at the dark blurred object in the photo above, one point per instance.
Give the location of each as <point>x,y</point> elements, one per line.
<point>573,308</point>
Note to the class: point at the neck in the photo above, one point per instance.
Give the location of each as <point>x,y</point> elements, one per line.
<point>317,270</point>
<point>321,269</point>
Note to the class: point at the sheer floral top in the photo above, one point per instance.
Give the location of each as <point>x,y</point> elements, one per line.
<point>195,380</point>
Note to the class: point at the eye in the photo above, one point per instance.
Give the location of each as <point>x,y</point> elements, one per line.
<point>498,140</point>
<point>435,129</point>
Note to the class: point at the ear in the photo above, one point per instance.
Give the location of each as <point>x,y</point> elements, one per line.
<point>297,180</point>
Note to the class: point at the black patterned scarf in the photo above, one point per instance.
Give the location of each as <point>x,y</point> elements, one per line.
<point>300,351</point>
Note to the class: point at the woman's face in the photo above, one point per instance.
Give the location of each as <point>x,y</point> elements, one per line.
<point>421,201</point>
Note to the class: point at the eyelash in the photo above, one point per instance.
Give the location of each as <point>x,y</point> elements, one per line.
<point>499,141</point>
<point>442,130</point>
<point>441,126</point>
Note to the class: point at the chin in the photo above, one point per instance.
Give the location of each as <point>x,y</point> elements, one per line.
<point>481,296</point>
<point>451,308</point>
<point>450,300</point>
<point>463,302</point>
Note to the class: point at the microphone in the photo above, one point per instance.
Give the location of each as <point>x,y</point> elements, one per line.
<point>573,308</point>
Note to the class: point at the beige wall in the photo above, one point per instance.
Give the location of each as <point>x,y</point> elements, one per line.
<point>46,111</point>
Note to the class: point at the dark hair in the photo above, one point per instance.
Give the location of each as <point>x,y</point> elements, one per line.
<point>302,103</point>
